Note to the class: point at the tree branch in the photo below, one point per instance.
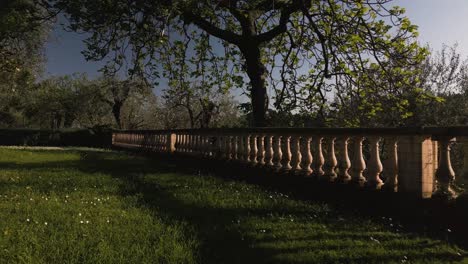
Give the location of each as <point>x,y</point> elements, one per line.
<point>212,29</point>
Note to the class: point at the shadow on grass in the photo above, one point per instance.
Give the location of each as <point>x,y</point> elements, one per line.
<point>221,241</point>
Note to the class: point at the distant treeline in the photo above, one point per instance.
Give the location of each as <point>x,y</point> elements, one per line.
<point>42,137</point>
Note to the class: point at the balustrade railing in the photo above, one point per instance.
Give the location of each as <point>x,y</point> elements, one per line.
<point>413,160</point>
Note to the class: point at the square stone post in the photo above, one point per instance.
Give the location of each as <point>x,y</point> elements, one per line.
<point>171,140</point>
<point>417,165</point>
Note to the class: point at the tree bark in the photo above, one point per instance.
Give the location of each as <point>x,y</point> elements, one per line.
<point>256,71</point>
<point>116,109</point>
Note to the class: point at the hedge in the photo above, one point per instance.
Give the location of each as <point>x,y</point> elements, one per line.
<point>56,138</point>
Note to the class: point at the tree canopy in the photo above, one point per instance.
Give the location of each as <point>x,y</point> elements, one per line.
<point>291,51</point>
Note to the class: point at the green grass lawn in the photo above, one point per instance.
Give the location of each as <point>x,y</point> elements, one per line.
<point>89,206</point>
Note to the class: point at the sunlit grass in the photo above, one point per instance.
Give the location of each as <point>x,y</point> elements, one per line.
<point>85,206</point>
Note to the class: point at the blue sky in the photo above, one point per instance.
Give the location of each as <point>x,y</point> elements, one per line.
<point>439,21</point>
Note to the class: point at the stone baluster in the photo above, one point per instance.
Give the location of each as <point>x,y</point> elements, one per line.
<point>208,145</point>
<point>343,161</point>
<point>227,143</point>
<point>286,162</point>
<point>319,160</point>
<point>330,161</point>
<point>204,146</point>
<point>296,157</point>
<point>188,139</point>
<point>391,166</point>
<point>183,143</point>
<point>269,151</point>
<point>278,154</point>
<point>374,168</point>
<point>191,143</point>
<point>240,147</point>
<point>156,142</point>
<point>222,147</point>
<point>177,140</point>
<point>217,147</point>
<point>444,175</point>
<point>307,158</point>
<point>358,164</point>
<point>194,145</point>
<point>234,147</point>
<point>186,143</point>
<point>464,141</point>
<point>253,149</point>
<point>261,150</point>
<point>247,148</point>
<point>201,141</point>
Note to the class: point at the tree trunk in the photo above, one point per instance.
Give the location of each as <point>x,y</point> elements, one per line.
<point>257,74</point>
<point>116,109</point>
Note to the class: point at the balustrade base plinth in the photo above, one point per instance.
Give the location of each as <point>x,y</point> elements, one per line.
<point>373,185</point>
<point>343,180</point>
<point>387,187</point>
<point>444,194</point>
<point>361,182</point>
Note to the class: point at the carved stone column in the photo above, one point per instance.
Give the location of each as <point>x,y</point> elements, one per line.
<point>330,161</point>
<point>375,165</point>
<point>234,147</point>
<point>343,161</point>
<point>464,141</point>
<point>358,165</point>
<point>247,148</point>
<point>261,150</point>
<point>269,151</point>
<point>286,162</point>
<point>319,160</point>
<point>278,154</point>
<point>306,156</point>
<point>253,149</point>
<point>391,166</point>
<point>228,147</point>
<point>445,175</point>
<point>296,154</point>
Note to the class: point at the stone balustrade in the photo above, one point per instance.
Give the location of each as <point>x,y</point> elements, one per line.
<point>411,160</point>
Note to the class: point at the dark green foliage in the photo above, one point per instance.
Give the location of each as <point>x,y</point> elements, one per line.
<point>42,137</point>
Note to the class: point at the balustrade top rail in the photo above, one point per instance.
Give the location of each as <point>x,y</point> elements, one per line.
<point>417,159</point>
<point>454,131</point>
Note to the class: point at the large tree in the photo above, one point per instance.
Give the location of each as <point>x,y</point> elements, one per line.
<point>295,48</point>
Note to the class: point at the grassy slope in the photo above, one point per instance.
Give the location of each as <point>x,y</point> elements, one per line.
<point>103,207</point>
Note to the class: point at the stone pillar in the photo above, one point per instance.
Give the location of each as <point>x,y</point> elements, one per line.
<point>445,175</point>
<point>269,150</point>
<point>247,148</point>
<point>358,164</point>
<point>330,161</point>
<point>391,166</point>
<point>319,160</point>
<point>375,165</point>
<point>343,162</point>
<point>253,149</point>
<point>261,150</point>
<point>234,147</point>
<point>278,154</point>
<point>307,158</point>
<point>171,143</point>
<point>296,154</point>
<point>417,164</point>
<point>464,141</point>
<point>227,145</point>
<point>286,162</point>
